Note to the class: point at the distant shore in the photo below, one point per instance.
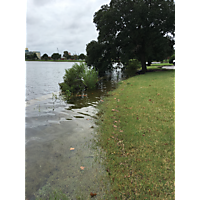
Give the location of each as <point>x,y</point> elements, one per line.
<point>58,60</point>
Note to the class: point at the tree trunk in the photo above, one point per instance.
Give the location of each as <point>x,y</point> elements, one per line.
<point>143,62</point>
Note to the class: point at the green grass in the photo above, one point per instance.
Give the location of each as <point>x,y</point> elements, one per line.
<point>138,135</point>
<point>157,66</point>
<point>53,195</point>
<point>161,64</point>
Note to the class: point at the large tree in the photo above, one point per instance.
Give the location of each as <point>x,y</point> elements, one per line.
<point>142,29</point>
<point>98,56</point>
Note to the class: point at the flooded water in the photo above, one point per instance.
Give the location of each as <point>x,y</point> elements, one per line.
<point>55,126</point>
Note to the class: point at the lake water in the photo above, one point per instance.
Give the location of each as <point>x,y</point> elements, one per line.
<point>53,127</point>
<point>42,78</point>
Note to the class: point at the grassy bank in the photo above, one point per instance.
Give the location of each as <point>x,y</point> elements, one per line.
<point>57,60</point>
<point>137,134</point>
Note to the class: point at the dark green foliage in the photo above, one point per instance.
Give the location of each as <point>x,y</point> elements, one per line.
<point>56,56</point>
<point>66,55</point>
<point>45,57</point>
<point>81,56</point>
<point>78,78</point>
<point>132,67</point>
<point>31,56</point>
<point>133,29</point>
<point>73,76</point>
<point>98,57</point>
<point>90,78</point>
<point>171,59</point>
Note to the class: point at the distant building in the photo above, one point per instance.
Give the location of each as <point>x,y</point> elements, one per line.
<point>32,52</point>
<point>37,53</point>
<point>26,50</point>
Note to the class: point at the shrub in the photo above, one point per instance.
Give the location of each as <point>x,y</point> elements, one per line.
<point>78,78</point>
<point>171,59</point>
<point>132,67</point>
<point>73,78</point>
<point>90,78</point>
<point>65,88</point>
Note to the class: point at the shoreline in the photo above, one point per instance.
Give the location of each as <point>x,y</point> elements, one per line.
<point>55,60</point>
<point>71,128</point>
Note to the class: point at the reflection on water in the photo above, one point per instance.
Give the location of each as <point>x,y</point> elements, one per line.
<point>52,128</point>
<point>42,78</point>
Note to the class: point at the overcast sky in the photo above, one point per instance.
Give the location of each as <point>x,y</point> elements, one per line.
<point>63,24</point>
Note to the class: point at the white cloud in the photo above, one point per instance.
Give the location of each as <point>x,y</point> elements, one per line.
<point>63,24</point>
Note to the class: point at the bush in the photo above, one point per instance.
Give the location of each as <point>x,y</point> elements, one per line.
<point>90,78</point>
<point>132,67</point>
<point>78,78</point>
<point>73,78</point>
<point>171,59</point>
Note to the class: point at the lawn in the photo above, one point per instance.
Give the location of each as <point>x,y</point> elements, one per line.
<point>156,66</point>
<point>137,133</point>
<point>160,65</point>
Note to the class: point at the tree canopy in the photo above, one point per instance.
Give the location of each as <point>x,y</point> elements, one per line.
<point>142,29</point>
<point>66,55</point>
<point>98,57</point>
<point>45,57</point>
<point>31,56</point>
<point>56,56</point>
<point>81,56</point>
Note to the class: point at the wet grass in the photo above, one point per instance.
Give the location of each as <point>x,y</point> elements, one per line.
<point>137,134</point>
<point>52,195</point>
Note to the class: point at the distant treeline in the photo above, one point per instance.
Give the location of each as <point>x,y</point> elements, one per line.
<point>55,57</point>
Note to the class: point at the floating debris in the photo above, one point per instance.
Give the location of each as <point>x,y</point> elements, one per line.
<point>82,168</point>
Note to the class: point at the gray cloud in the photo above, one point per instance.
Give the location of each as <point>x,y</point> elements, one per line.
<point>43,2</point>
<point>63,24</point>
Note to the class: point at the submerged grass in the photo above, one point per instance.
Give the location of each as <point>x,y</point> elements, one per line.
<point>137,133</point>
<point>53,195</point>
